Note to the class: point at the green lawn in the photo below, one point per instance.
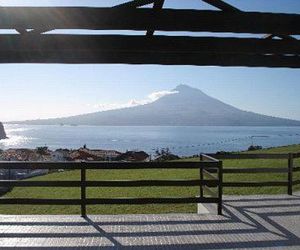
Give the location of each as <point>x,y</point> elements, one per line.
<point>45,192</point>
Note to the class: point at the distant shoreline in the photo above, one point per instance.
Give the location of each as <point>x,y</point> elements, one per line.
<point>113,150</point>
<point>181,140</point>
<point>90,125</point>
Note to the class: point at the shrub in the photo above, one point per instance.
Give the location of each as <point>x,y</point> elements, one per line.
<point>165,155</point>
<point>254,147</point>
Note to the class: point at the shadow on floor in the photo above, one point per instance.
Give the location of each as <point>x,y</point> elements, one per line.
<point>247,223</point>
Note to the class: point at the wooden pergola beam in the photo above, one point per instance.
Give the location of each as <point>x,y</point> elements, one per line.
<point>131,4</point>
<point>221,5</point>
<point>158,5</point>
<point>227,7</point>
<point>92,57</point>
<point>143,19</point>
<point>157,44</point>
<point>142,50</point>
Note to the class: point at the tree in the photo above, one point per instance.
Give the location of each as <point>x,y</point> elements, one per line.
<point>165,154</point>
<point>42,150</point>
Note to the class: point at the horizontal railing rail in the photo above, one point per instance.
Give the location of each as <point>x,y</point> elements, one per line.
<point>296,155</point>
<point>289,169</point>
<point>108,201</point>
<point>115,183</point>
<point>83,183</point>
<point>296,169</point>
<point>249,156</point>
<point>105,165</point>
<point>251,170</point>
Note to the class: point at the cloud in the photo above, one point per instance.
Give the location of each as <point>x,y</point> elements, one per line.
<point>159,94</point>
<point>111,106</point>
<point>132,103</point>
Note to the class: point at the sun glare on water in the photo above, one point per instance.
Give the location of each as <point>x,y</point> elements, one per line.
<point>15,139</point>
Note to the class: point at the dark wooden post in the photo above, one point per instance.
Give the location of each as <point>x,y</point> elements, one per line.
<point>290,174</point>
<point>201,177</point>
<point>83,190</point>
<point>220,188</point>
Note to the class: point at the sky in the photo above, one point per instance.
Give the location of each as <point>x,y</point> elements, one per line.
<point>32,91</point>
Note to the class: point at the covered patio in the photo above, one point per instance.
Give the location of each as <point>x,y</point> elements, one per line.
<point>248,222</point>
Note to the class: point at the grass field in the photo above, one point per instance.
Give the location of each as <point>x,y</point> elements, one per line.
<point>50,192</point>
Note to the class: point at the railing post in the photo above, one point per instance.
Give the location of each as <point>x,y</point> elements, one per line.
<point>83,190</point>
<point>201,177</point>
<point>290,174</point>
<point>220,188</point>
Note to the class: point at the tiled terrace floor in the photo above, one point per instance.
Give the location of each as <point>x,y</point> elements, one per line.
<point>249,222</point>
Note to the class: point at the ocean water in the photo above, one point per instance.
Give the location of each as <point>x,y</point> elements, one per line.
<point>183,141</point>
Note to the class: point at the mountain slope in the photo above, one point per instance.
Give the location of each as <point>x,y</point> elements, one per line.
<point>187,107</point>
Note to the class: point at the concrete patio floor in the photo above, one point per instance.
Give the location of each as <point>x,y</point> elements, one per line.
<point>249,222</point>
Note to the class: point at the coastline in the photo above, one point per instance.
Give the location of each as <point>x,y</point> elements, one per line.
<point>182,141</point>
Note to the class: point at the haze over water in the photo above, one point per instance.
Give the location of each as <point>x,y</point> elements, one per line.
<point>183,141</point>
